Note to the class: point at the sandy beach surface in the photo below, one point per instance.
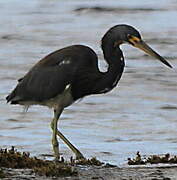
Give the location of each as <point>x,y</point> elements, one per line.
<point>98,173</point>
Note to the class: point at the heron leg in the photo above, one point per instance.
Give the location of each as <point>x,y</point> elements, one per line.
<point>78,154</point>
<point>57,113</point>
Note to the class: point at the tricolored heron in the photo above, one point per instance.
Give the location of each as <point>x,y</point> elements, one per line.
<point>71,73</point>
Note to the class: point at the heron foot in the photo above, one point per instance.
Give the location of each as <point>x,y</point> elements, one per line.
<point>56,149</point>
<point>79,155</point>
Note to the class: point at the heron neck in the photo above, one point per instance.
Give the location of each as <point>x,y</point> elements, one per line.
<point>110,78</point>
<point>116,63</point>
<point>113,55</point>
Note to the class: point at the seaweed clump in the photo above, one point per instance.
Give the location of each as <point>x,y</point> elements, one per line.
<point>91,162</point>
<point>2,174</point>
<point>153,159</point>
<point>14,159</point>
<point>138,160</point>
<point>11,158</point>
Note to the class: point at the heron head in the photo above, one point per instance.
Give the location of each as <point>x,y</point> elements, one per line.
<point>128,34</point>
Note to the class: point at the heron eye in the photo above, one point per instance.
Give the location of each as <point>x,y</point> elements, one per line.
<point>135,40</point>
<point>129,36</point>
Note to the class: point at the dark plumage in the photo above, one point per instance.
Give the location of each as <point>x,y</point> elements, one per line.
<point>49,77</point>
<point>71,73</point>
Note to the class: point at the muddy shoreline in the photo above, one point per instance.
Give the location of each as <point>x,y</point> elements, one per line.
<point>20,165</point>
<point>100,173</point>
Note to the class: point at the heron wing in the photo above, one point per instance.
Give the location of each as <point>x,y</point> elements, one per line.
<point>82,55</point>
<point>42,83</point>
<point>52,74</point>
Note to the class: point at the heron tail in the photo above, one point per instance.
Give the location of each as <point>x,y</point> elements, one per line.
<point>12,97</point>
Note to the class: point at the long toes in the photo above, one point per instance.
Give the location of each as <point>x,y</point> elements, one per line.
<point>79,156</point>
<point>57,156</point>
<point>57,159</point>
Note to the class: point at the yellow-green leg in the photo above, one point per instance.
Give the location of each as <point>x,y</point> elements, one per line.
<point>72,147</point>
<point>54,122</point>
<point>57,113</point>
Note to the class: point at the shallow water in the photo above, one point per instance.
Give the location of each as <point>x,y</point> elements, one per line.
<point>138,115</point>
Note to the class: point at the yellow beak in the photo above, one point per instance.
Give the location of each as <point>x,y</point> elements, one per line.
<point>143,46</point>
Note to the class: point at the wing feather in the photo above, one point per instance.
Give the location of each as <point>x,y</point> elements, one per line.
<point>43,83</point>
<point>49,76</point>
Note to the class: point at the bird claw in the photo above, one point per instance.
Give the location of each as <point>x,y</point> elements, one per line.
<point>79,156</point>
<point>57,158</point>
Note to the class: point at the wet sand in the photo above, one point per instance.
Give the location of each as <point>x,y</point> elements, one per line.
<point>98,173</point>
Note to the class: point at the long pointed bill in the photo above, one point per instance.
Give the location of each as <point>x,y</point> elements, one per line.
<point>143,46</point>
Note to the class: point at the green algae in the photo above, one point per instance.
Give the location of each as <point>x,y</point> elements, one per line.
<point>90,162</point>
<point>17,160</point>
<point>11,158</point>
<point>2,174</point>
<point>153,159</point>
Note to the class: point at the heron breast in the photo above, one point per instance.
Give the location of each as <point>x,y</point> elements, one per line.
<point>63,99</point>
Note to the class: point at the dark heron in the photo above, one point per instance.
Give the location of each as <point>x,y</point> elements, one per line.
<point>71,73</point>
